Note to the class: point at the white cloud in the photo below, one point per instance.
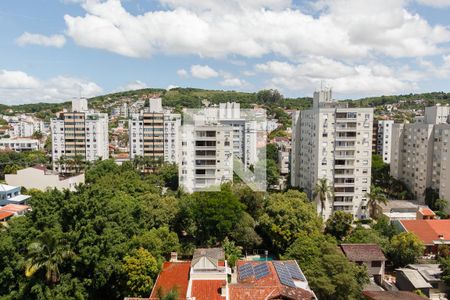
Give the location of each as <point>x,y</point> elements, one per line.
<point>232,82</point>
<point>215,28</point>
<point>203,72</point>
<point>368,79</point>
<point>56,40</point>
<point>182,73</point>
<point>171,86</point>
<point>135,85</point>
<point>17,87</point>
<point>435,3</point>
<point>17,80</point>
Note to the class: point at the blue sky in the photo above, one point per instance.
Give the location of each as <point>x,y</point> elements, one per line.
<point>53,50</point>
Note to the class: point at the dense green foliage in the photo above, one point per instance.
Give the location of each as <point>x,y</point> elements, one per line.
<point>405,248</point>
<point>339,224</point>
<point>329,273</point>
<point>11,161</point>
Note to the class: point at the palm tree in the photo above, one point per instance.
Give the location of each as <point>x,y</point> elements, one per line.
<point>47,254</point>
<point>375,197</point>
<point>323,191</point>
<point>78,162</point>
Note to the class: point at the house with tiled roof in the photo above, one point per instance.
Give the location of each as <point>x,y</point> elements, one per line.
<point>391,295</point>
<point>208,277</point>
<point>369,255</point>
<point>431,232</point>
<point>261,280</point>
<point>205,277</point>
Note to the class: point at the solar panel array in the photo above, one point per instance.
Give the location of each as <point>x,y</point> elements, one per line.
<point>283,274</point>
<point>261,270</point>
<point>294,270</point>
<point>245,271</point>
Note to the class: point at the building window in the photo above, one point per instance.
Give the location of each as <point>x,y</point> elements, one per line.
<point>376,264</point>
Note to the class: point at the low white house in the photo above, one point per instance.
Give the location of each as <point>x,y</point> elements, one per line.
<point>42,179</point>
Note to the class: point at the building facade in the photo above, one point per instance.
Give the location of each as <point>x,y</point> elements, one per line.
<point>155,134</point>
<point>334,142</point>
<point>20,144</point>
<point>384,138</point>
<point>207,156</point>
<point>79,134</point>
<point>420,155</point>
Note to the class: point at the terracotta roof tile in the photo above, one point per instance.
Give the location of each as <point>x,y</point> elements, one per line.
<point>391,295</point>
<point>426,211</point>
<point>173,275</point>
<point>5,214</point>
<point>14,208</point>
<point>428,230</point>
<point>363,252</point>
<point>207,289</point>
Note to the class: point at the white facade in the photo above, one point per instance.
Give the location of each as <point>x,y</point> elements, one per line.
<point>36,178</point>
<point>334,142</point>
<point>420,155</point>
<point>79,133</point>
<point>19,144</point>
<point>80,105</point>
<point>26,128</point>
<point>207,156</point>
<point>172,142</point>
<point>384,138</point>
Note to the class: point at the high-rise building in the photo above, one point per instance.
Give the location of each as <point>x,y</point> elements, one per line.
<point>420,155</point>
<point>79,134</point>
<point>207,156</point>
<point>383,140</point>
<point>224,132</point>
<point>155,133</point>
<point>334,142</point>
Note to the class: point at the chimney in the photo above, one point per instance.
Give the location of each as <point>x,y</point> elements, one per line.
<point>173,256</point>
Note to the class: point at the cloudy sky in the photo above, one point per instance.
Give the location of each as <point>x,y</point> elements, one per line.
<point>53,50</point>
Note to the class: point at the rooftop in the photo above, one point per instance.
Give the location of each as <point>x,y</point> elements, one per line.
<point>391,295</point>
<point>271,279</point>
<point>5,214</point>
<point>429,231</point>
<point>363,252</point>
<point>207,289</point>
<point>14,208</point>
<point>6,188</point>
<point>173,275</point>
<point>415,278</point>
<point>426,211</point>
<point>399,205</point>
<point>430,272</point>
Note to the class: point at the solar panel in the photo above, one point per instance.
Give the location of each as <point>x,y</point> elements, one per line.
<point>261,270</point>
<point>294,270</point>
<point>246,270</point>
<point>283,274</point>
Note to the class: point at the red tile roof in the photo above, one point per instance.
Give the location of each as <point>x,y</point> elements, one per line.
<point>428,230</point>
<point>391,295</point>
<point>267,287</point>
<point>207,289</point>
<point>426,211</point>
<point>363,252</point>
<point>14,208</point>
<point>5,214</point>
<point>173,275</point>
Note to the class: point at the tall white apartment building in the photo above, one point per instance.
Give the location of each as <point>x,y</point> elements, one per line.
<point>79,133</point>
<point>213,140</point>
<point>155,133</point>
<point>384,139</point>
<point>333,141</point>
<point>420,155</point>
<point>207,156</point>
